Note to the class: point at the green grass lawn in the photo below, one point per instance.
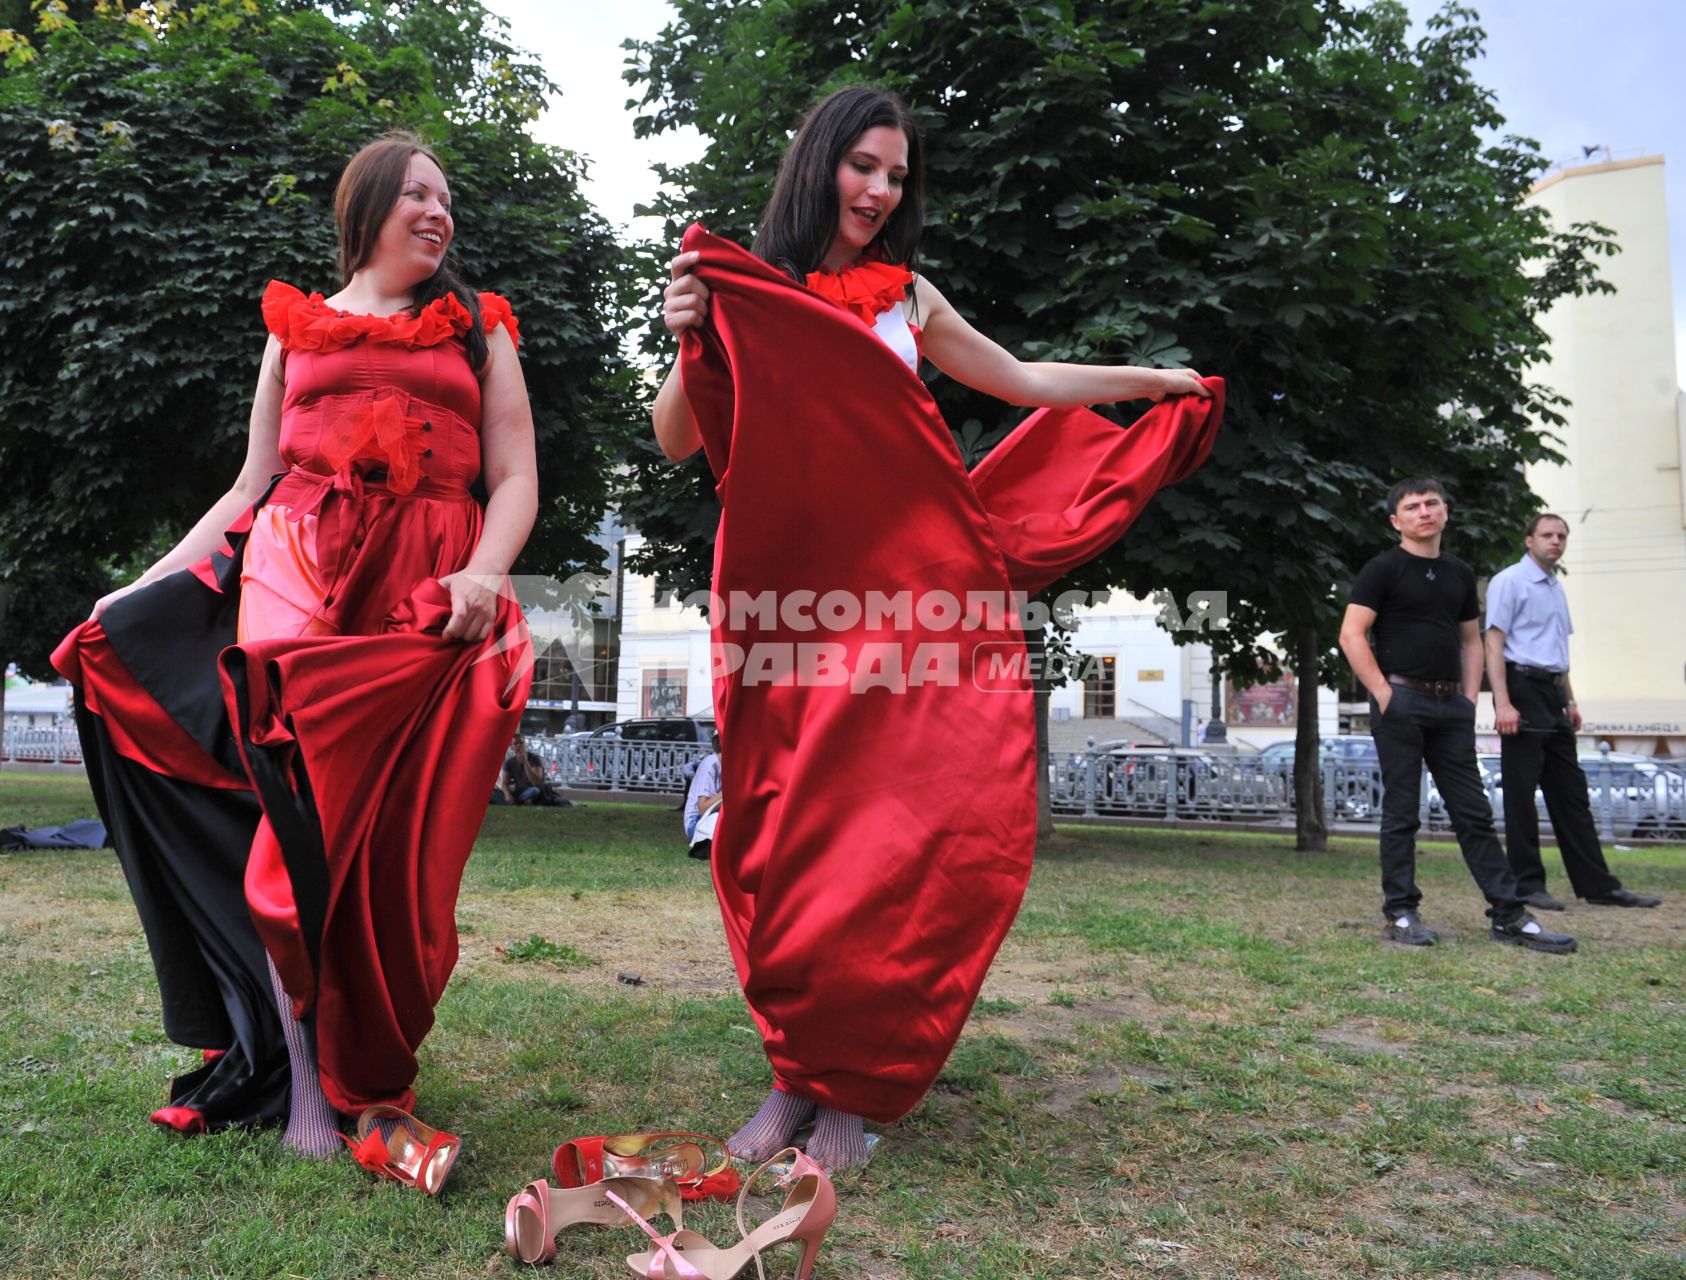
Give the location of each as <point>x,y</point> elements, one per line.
<point>1194,1058</point>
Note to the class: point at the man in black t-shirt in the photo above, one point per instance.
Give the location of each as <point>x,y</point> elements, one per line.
<point>1419,609</point>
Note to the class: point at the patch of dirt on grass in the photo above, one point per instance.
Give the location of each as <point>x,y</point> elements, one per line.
<point>1038,1021</point>
<point>1457,1089</point>
<point>674,945</point>
<point>1363,1036</point>
<point>1088,989</point>
<point>1069,1095</point>
<point>1413,1197</point>
<point>1627,928</point>
<point>1119,1080</point>
<point>1028,972</point>
<point>1622,1111</point>
<point>1495,1110</point>
<point>38,923</point>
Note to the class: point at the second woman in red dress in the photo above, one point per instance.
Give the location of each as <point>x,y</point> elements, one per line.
<point>878,833</point>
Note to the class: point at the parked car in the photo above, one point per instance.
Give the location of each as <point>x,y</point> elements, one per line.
<point>599,764</point>
<point>1488,763</point>
<point>1355,782</point>
<point>1340,746</point>
<point>1147,781</point>
<point>1646,798</point>
<point>667,729</point>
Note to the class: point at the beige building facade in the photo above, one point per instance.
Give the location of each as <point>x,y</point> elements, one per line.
<point>1620,486</point>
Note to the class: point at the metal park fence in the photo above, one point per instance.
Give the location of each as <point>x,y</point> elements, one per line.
<point>609,764</point>
<point>1632,798</point>
<point>30,739</point>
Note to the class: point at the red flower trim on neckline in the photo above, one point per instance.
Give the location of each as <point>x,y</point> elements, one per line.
<point>305,322</point>
<point>863,288</point>
<point>495,310</point>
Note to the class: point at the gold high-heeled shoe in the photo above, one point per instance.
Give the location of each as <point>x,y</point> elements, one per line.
<point>690,1159</point>
<point>808,1213</point>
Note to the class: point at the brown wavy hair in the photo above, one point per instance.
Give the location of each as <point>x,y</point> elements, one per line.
<point>363,201</point>
<point>800,222</point>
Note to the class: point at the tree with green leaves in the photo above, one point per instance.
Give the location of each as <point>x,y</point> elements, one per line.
<point>158,165</point>
<point>1292,194</point>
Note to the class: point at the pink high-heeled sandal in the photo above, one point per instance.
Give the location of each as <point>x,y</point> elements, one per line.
<point>808,1213</point>
<point>538,1211</point>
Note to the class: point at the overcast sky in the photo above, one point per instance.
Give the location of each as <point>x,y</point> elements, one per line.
<point>1567,73</point>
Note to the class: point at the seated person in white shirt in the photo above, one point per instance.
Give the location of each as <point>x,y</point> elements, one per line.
<point>702,804</point>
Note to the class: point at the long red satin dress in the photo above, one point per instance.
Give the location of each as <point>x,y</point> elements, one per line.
<point>290,756</point>
<point>878,826</point>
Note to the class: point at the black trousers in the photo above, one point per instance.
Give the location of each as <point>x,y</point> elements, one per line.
<point>1417,729</point>
<point>1543,755</point>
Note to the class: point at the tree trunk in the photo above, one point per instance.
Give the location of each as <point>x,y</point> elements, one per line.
<point>5,595</point>
<point>1044,800</point>
<point>1311,834</point>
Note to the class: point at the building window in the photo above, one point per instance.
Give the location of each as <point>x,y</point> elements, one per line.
<point>664,692</point>
<point>1100,688</point>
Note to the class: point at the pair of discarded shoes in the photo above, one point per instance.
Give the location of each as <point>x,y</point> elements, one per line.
<point>627,1180</point>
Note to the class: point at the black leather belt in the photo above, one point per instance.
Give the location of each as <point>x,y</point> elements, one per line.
<point>1543,674</point>
<point>1439,688</point>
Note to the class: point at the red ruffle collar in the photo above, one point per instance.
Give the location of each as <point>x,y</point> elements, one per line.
<point>305,322</point>
<point>863,288</point>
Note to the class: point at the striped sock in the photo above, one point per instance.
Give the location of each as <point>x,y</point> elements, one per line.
<point>839,1141</point>
<point>313,1127</point>
<point>771,1128</point>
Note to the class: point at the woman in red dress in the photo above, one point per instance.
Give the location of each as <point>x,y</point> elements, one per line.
<point>293,719</point>
<point>880,824</point>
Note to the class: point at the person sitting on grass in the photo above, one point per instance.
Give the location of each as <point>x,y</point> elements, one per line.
<point>702,804</point>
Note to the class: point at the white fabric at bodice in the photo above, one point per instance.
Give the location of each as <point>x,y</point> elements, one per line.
<point>893,330</point>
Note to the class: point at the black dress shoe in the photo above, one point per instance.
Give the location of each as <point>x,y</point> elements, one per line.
<point>1540,900</point>
<point>1407,928</point>
<point>1624,898</point>
<point>1525,931</point>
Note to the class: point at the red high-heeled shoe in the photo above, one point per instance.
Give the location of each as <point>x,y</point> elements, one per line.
<point>414,1154</point>
<point>808,1213</point>
<point>701,1165</point>
<point>181,1119</point>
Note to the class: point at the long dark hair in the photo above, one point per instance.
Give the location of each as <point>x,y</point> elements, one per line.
<point>799,224</point>
<point>363,200</point>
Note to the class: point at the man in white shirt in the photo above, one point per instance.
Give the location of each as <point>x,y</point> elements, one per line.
<point>1527,651</point>
<point>702,804</point>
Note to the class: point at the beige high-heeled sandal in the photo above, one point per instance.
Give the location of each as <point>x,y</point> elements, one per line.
<point>808,1213</point>
<point>538,1211</point>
